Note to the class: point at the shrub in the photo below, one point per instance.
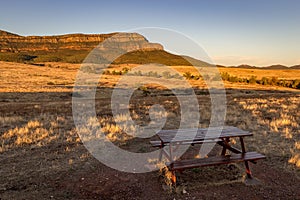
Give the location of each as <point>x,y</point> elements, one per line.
<point>225,76</point>
<point>138,73</point>
<point>145,90</point>
<point>274,81</point>
<point>51,83</point>
<point>166,74</point>
<point>125,70</point>
<point>296,84</point>
<point>188,75</point>
<point>264,81</point>
<point>177,76</point>
<point>252,80</point>
<point>106,72</point>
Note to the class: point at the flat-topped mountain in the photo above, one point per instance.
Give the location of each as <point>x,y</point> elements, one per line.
<point>10,42</point>
<point>4,33</point>
<point>74,48</point>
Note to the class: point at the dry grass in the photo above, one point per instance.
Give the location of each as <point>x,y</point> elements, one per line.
<point>37,132</point>
<point>38,129</point>
<point>278,125</point>
<point>260,73</point>
<point>60,77</point>
<point>17,77</point>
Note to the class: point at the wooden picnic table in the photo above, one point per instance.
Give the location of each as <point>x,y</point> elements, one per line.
<point>173,139</point>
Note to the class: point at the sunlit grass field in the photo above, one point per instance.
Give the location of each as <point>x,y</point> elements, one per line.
<point>38,131</point>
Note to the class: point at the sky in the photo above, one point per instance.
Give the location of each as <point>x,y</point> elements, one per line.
<point>232,32</point>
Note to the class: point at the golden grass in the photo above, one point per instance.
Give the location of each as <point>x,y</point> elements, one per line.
<point>273,119</point>
<point>54,77</point>
<point>279,119</point>
<point>259,73</point>
<point>37,132</point>
<point>17,77</point>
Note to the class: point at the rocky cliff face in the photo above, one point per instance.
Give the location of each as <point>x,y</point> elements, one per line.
<point>127,41</point>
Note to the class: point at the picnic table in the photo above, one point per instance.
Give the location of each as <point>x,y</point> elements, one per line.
<point>177,137</point>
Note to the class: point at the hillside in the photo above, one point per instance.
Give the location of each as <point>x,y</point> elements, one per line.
<point>295,67</point>
<point>73,48</point>
<point>271,67</point>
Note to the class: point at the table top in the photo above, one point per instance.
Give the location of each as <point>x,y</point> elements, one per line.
<point>200,134</point>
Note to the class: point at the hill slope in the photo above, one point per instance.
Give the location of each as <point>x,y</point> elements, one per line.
<point>74,48</point>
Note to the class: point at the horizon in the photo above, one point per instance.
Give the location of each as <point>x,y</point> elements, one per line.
<point>232,32</point>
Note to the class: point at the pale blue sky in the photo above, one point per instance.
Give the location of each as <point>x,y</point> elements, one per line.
<point>233,32</point>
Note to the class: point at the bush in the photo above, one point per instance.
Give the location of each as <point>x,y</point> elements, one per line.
<point>252,80</point>
<point>274,81</point>
<point>296,84</point>
<point>125,70</point>
<point>188,75</point>
<point>177,76</point>
<point>138,73</point>
<point>145,90</point>
<point>106,72</point>
<point>264,81</point>
<point>166,74</point>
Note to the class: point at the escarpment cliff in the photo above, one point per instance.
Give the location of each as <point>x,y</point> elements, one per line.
<point>117,48</point>
<point>14,43</point>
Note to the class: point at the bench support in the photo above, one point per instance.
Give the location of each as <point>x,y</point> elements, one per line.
<point>225,146</point>
<point>237,156</point>
<point>248,171</point>
<point>179,165</point>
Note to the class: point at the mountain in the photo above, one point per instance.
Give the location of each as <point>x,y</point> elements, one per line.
<point>7,34</point>
<point>295,67</point>
<point>244,66</point>
<point>276,67</point>
<point>10,42</point>
<point>272,67</point>
<point>74,48</point>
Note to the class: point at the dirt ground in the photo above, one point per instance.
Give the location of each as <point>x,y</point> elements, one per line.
<point>42,157</point>
<point>58,166</point>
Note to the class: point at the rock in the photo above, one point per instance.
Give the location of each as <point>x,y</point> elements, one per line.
<point>10,42</point>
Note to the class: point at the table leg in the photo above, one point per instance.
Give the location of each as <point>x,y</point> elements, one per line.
<point>160,153</point>
<point>248,171</point>
<point>171,152</point>
<point>226,141</point>
<point>173,178</point>
<point>163,152</point>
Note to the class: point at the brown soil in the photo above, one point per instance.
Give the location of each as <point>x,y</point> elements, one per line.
<point>55,165</point>
<point>65,170</point>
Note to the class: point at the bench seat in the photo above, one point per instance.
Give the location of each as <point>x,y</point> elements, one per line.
<point>216,160</point>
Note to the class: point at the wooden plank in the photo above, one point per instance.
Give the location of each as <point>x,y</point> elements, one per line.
<point>230,148</point>
<point>218,160</point>
<point>200,134</point>
<point>155,143</point>
<point>158,143</point>
<point>224,128</point>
